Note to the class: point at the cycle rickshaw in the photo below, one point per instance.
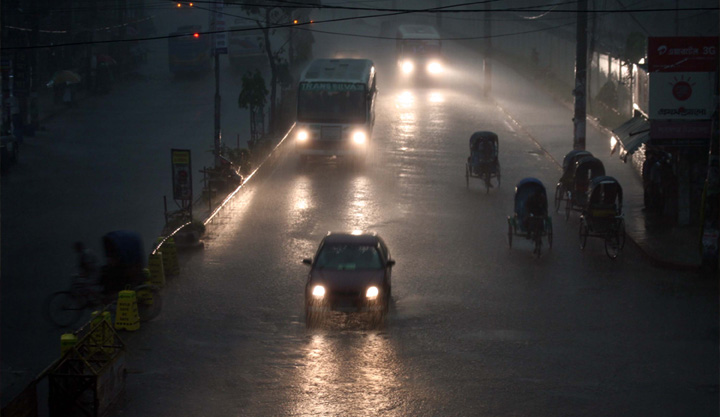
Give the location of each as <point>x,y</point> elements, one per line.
<point>565,182</point>
<point>530,219</point>
<point>586,168</point>
<point>483,160</point>
<point>603,216</point>
<point>125,269</point>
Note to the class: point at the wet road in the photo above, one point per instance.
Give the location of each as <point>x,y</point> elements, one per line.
<point>475,328</point>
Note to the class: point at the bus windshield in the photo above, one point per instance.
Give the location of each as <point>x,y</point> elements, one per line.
<point>420,48</point>
<point>332,103</point>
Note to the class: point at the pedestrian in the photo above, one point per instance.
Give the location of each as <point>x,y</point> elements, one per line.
<point>657,193</point>
<point>650,159</point>
<point>68,95</point>
<point>16,119</point>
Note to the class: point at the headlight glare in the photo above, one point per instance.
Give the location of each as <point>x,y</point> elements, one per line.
<point>359,137</point>
<point>318,291</point>
<point>408,67</point>
<point>372,293</point>
<point>434,68</point>
<point>302,136</point>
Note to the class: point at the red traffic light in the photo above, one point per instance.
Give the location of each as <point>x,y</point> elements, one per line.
<point>196,35</point>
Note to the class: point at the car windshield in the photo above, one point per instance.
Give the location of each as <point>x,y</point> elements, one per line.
<point>349,257</point>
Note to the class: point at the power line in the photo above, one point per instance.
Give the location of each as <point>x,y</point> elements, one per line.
<point>395,13</point>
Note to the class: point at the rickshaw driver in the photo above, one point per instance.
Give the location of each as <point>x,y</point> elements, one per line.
<point>535,211</point>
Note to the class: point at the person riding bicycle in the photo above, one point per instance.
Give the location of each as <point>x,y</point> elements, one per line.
<point>86,261</point>
<point>125,262</point>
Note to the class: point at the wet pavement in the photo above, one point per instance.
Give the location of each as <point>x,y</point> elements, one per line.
<point>535,109</point>
<point>476,329</point>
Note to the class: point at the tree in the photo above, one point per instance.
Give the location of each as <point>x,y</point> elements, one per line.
<point>253,96</point>
<point>268,17</point>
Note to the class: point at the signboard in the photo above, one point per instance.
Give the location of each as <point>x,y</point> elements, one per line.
<point>683,54</point>
<point>219,24</point>
<point>681,96</point>
<point>331,87</point>
<point>181,174</point>
<point>668,129</point>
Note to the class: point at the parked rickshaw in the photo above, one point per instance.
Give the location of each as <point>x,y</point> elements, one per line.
<point>586,168</point>
<point>603,216</point>
<point>530,219</point>
<point>483,160</point>
<point>565,182</point>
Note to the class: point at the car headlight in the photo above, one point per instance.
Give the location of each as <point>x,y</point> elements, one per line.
<point>303,135</point>
<point>408,67</point>
<point>359,137</point>
<point>318,291</point>
<point>435,68</point>
<point>372,293</point>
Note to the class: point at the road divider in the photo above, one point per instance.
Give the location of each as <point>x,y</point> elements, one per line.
<point>126,314</point>
<point>156,268</point>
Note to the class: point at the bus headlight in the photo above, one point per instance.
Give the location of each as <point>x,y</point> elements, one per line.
<point>359,137</point>
<point>372,293</point>
<point>302,136</point>
<point>408,67</point>
<point>435,67</point>
<point>318,291</point>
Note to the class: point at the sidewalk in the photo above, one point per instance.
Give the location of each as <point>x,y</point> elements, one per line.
<point>539,113</point>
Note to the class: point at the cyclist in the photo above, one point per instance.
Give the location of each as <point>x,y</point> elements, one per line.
<point>86,261</point>
<point>535,211</point>
<point>124,267</point>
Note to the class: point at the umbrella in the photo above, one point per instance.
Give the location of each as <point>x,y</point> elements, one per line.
<point>65,76</point>
<point>107,59</point>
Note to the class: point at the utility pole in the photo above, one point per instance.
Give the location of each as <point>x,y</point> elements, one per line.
<point>487,64</point>
<point>219,47</point>
<point>5,63</point>
<point>579,120</point>
<point>218,134</point>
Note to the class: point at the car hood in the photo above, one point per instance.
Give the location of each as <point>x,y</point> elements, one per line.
<point>343,280</point>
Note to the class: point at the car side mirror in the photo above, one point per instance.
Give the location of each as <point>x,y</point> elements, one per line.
<point>307,261</point>
<point>390,262</point>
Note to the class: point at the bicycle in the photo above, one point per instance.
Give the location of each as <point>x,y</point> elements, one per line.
<point>64,308</point>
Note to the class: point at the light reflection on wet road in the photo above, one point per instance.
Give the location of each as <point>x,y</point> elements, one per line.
<point>474,329</point>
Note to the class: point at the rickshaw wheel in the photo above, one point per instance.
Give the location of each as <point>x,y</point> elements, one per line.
<point>486,177</point>
<point>621,234</point>
<point>498,174</point>
<point>550,236</point>
<point>538,245</point>
<point>583,234</point>
<point>568,206</point>
<point>467,176</point>
<point>612,245</point>
<point>558,197</point>
<point>510,234</point>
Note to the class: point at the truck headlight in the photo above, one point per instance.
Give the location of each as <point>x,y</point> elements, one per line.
<point>302,135</point>
<point>372,293</point>
<point>359,137</point>
<point>318,291</point>
<point>408,67</point>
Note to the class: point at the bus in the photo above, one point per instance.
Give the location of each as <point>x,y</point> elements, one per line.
<point>336,108</point>
<point>419,51</point>
<point>191,52</point>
